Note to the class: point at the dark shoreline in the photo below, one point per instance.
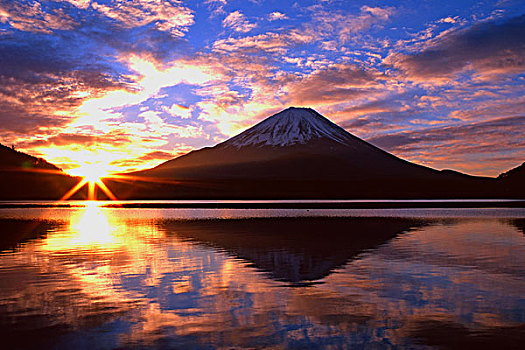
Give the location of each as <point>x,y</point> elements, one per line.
<point>282,205</point>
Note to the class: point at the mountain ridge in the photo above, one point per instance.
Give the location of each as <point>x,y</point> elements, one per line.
<point>12,159</point>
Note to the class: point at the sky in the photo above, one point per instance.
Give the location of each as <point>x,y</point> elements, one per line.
<point>127,85</point>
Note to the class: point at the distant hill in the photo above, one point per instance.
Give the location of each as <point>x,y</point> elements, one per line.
<point>515,174</point>
<point>23,176</point>
<point>512,182</point>
<point>10,159</point>
<point>298,153</point>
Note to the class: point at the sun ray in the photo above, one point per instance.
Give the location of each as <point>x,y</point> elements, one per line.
<point>142,178</point>
<point>74,190</point>
<point>106,190</point>
<point>93,178</point>
<point>91,190</point>
<point>36,170</point>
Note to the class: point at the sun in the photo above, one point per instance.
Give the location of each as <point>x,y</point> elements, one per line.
<point>92,176</point>
<point>90,172</point>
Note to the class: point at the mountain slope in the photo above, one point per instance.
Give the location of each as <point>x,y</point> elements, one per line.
<point>298,153</point>
<point>289,127</point>
<point>23,176</point>
<point>15,160</point>
<point>512,182</point>
<point>516,174</point>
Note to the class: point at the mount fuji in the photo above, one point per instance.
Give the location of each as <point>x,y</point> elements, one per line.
<point>297,143</point>
<point>299,153</point>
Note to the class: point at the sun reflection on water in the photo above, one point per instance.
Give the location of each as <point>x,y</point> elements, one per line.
<point>89,227</point>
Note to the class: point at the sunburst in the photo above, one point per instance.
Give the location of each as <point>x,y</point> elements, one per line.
<point>94,177</point>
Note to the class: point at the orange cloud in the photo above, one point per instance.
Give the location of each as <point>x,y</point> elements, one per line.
<point>167,16</point>
<point>482,148</point>
<point>238,22</point>
<point>32,18</point>
<point>337,83</point>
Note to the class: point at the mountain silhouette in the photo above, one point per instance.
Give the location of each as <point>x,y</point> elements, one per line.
<point>298,153</point>
<point>11,159</point>
<point>297,143</point>
<point>512,182</point>
<point>23,176</point>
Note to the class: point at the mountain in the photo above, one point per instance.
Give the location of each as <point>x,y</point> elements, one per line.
<point>512,182</point>
<point>10,159</point>
<point>298,153</point>
<point>23,176</point>
<point>515,174</point>
<point>297,143</point>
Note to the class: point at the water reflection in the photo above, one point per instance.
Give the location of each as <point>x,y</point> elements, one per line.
<point>88,228</point>
<point>96,278</point>
<point>292,250</point>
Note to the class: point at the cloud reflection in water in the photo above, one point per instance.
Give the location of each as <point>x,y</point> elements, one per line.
<point>102,279</point>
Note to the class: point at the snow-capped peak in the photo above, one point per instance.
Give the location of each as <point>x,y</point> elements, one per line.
<point>288,127</point>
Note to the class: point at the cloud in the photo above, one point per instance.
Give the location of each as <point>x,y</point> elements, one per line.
<point>180,111</point>
<point>489,108</point>
<point>42,82</point>
<point>150,159</point>
<point>371,108</point>
<point>393,142</point>
<point>238,22</point>
<point>377,12</point>
<point>263,43</point>
<point>345,27</point>
<point>487,48</point>
<point>497,142</point>
<point>449,19</point>
<point>32,18</point>
<point>156,155</point>
<point>275,16</point>
<point>83,140</point>
<point>168,15</point>
<point>216,6</point>
<point>337,83</point>
<point>81,4</point>
<point>109,40</point>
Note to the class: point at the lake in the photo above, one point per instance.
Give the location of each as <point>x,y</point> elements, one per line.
<point>89,277</point>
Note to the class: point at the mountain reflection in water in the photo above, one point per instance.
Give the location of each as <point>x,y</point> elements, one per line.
<point>292,249</point>
<point>105,278</point>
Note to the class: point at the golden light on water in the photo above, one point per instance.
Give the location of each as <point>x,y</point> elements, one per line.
<point>89,228</point>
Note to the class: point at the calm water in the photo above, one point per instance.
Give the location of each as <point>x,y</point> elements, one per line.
<point>74,278</point>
